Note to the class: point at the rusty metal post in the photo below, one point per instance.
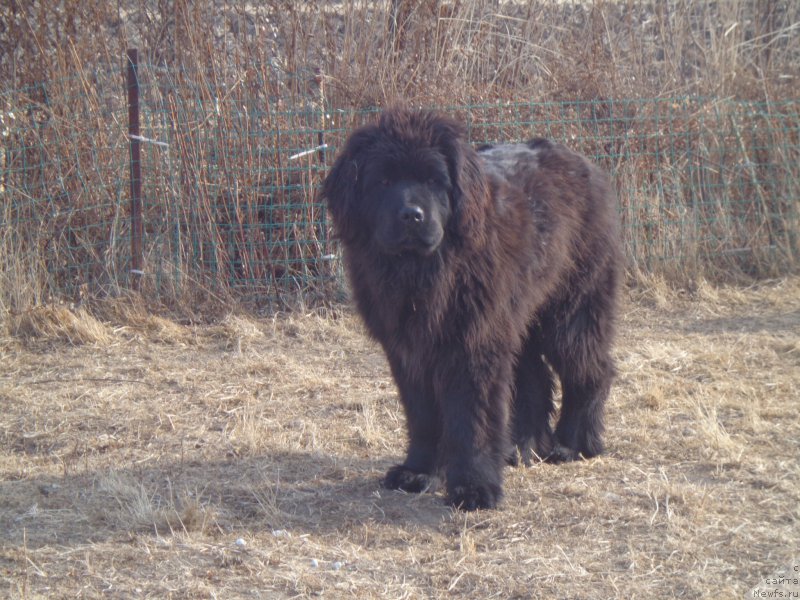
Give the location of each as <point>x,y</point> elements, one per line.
<point>135,168</point>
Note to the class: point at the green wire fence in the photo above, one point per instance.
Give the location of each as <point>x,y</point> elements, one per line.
<point>229,172</point>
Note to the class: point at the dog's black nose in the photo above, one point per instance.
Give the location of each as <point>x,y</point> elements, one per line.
<point>412,214</point>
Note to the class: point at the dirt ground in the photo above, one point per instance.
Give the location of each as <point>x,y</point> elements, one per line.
<point>142,458</point>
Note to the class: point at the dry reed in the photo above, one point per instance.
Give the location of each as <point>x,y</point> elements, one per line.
<point>708,186</point>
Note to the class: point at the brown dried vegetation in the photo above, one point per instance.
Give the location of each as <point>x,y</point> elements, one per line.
<point>243,459</point>
<point>210,454</point>
<point>708,186</point>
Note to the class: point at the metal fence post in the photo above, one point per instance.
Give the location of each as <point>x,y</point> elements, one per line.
<point>135,168</point>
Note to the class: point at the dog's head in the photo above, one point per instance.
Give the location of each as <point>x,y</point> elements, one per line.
<point>406,183</point>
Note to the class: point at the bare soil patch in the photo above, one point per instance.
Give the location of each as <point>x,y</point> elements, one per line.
<point>142,458</point>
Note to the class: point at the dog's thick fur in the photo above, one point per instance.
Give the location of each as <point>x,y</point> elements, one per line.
<point>480,273</point>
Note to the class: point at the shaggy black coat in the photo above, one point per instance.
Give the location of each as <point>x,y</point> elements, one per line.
<point>481,274</point>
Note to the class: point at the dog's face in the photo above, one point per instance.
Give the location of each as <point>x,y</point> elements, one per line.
<point>406,202</point>
<point>399,186</point>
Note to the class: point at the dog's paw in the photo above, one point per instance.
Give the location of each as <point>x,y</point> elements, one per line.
<point>561,454</point>
<point>401,477</point>
<point>474,496</point>
<point>580,450</point>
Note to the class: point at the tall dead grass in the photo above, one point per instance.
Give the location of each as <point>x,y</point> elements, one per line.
<point>370,52</point>
<point>233,92</point>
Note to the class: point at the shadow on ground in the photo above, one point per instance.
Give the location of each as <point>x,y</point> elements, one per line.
<point>298,492</point>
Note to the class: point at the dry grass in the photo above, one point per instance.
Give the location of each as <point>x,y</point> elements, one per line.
<point>236,88</point>
<point>242,459</point>
<point>373,51</point>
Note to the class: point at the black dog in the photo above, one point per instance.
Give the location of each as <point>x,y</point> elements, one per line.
<point>480,273</point>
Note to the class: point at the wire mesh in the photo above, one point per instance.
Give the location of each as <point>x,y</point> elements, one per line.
<point>230,172</point>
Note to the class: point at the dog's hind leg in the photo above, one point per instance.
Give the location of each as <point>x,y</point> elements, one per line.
<point>531,431</point>
<point>581,355</point>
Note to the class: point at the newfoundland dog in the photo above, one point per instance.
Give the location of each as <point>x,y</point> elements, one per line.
<point>482,274</point>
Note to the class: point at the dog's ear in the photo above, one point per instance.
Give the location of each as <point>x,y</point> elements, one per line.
<point>342,184</point>
<point>471,193</point>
